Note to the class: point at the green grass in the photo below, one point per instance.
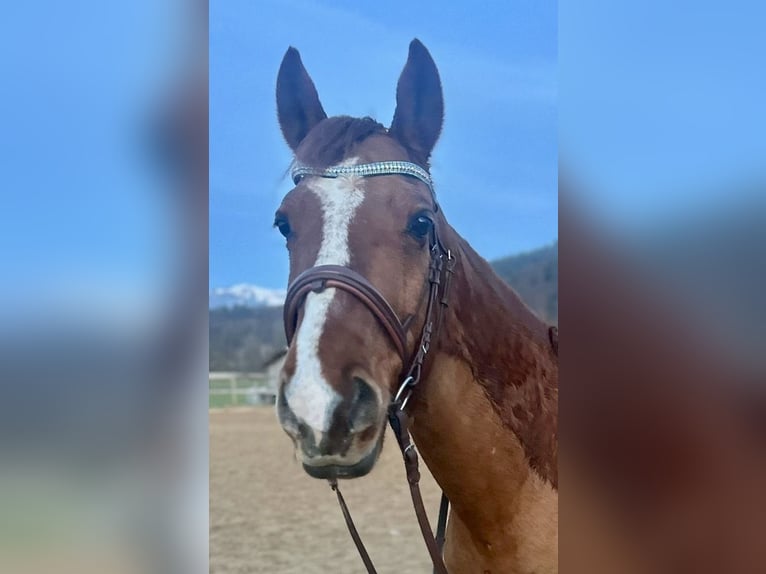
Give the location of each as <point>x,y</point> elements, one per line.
<point>221,401</point>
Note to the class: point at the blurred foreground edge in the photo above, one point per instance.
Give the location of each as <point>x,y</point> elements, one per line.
<point>103,423</point>
<point>663,434</point>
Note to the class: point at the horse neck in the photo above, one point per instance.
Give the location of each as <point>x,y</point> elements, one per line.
<point>484,418</point>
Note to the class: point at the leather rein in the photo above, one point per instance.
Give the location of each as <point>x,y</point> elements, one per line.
<point>440,270</point>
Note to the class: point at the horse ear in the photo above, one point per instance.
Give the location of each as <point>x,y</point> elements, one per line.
<point>419,104</point>
<point>298,105</point>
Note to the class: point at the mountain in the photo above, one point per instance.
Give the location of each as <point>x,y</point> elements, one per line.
<point>244,338</point>
<point>246,295</point>
<point>535,277</point>
<point>246,321</point>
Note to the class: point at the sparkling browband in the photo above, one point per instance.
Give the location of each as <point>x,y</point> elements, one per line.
<point>366,170</point>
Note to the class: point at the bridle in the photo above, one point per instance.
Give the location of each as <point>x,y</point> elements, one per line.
<point>440,270</point>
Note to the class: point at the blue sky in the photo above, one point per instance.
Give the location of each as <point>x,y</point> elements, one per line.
<point>495,165</point>
<point>662,107</point>
<point>657,106</point>
<point>82,207</point>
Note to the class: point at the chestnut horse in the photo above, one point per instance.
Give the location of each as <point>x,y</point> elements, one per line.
<point>483,411</point>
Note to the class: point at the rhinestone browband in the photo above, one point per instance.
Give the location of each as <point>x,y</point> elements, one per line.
<point>366,170</point>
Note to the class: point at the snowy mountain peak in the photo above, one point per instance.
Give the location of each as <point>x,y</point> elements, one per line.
<point>246,295</point>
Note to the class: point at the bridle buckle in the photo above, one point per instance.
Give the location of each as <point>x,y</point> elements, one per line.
<point>406,385</point>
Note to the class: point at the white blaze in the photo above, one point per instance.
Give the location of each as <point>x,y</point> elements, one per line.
<point>308,394</point>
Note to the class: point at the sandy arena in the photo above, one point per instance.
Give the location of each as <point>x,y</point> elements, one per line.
<point>267,515</point>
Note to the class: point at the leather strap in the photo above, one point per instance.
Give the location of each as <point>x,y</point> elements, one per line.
<point>317,279</point>
<point>352,529</point>
<point>399,422</point>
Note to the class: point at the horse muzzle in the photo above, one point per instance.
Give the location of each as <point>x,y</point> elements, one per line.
<point>351,443</point>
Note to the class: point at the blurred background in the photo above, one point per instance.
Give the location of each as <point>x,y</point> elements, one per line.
<point>103,242</point>
<point>662,271</point>
<point>662,132</point>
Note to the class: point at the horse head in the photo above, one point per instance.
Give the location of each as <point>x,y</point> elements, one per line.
<point>362,229</point>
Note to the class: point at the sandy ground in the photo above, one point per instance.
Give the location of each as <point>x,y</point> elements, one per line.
<point>268,515</point>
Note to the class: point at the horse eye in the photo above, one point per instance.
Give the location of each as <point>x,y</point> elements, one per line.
<point>420,226</point>
<point>283,225</point>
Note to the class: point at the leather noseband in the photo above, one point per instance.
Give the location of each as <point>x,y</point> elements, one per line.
<point>317,279</point>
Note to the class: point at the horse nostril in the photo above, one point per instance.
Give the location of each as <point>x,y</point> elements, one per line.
<point>365,406</point>
<point>364,391</point>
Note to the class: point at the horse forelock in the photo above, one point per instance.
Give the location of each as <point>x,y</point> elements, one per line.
<point>334,139</point>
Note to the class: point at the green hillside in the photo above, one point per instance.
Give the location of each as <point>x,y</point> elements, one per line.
<point>535,277</point>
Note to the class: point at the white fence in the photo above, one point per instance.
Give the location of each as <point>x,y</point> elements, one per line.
<point>231,389</point>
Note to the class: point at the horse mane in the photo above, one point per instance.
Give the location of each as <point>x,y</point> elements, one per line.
<point>516,366</point>
<point>334,139</point>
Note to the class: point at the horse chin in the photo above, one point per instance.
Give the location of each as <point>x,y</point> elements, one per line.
<point>356,470</point>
